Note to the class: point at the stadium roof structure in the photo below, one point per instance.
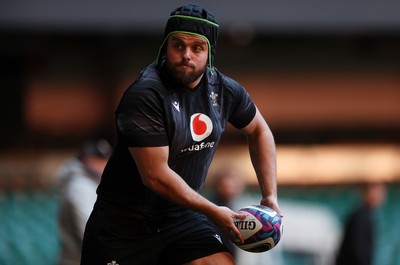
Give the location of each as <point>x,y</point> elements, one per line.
<point>286,16</point>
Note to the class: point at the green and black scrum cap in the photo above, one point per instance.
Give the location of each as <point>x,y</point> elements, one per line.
<point>192,19</point>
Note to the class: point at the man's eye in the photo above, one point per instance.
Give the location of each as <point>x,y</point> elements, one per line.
<point>198,48</point>
<point>178,46</point>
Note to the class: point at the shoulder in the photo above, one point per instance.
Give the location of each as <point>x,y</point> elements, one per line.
<point>147,87</point>
<point>229,86</point>
<point>148,79</point>
<point>217,78</point>
<point>83,183</point>
<point>71,167</point>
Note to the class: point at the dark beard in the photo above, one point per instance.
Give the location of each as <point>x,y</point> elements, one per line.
<point>181,76</point>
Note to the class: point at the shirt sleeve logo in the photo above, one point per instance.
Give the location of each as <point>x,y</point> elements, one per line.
<point>200,126</point>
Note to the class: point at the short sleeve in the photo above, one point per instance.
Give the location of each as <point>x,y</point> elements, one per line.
<point>140,117</point>
<point>243,109</point>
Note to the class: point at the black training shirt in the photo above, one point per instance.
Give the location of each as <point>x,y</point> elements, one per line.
<point>155,111</point>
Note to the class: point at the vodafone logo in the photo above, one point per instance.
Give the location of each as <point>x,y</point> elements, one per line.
<point>200,126</point>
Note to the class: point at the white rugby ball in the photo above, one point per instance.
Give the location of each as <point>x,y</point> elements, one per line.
<point>261,229</point>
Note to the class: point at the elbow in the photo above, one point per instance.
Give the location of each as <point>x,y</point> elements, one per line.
<point>151,184</point>
<point>150,180</point>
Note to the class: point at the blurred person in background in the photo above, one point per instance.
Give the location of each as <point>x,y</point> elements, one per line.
<point>78,180</point>
<point>228,185</point>
<point>227,188</point>
<point>357,247</point>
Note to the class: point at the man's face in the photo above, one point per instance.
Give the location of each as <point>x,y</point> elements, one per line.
<point>187,57</point>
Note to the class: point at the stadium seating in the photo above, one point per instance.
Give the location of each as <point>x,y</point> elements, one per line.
<point>29,232</point>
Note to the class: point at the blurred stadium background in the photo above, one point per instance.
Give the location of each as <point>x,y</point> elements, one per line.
<point>326,75</point>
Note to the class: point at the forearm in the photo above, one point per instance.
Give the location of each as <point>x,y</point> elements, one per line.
<point>172,187</point>
<point>152,163</point>
<point>263,156</point>
<point>159,177</point>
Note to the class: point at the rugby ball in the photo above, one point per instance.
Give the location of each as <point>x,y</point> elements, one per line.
<point>261,229</point>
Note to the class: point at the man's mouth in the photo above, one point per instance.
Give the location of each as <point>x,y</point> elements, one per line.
<point>185,65</point>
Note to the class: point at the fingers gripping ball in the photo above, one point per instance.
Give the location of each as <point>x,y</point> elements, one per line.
<point>261,229</point>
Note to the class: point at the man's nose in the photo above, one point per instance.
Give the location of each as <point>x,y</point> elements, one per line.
<point>187,54</point>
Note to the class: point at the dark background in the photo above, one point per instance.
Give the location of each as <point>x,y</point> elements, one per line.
<point>325,74</point>
<point>320,72</point>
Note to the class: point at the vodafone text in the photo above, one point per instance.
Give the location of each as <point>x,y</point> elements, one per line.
<point>198,147</point>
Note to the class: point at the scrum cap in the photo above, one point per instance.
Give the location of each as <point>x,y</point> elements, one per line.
<point>192,19</point>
